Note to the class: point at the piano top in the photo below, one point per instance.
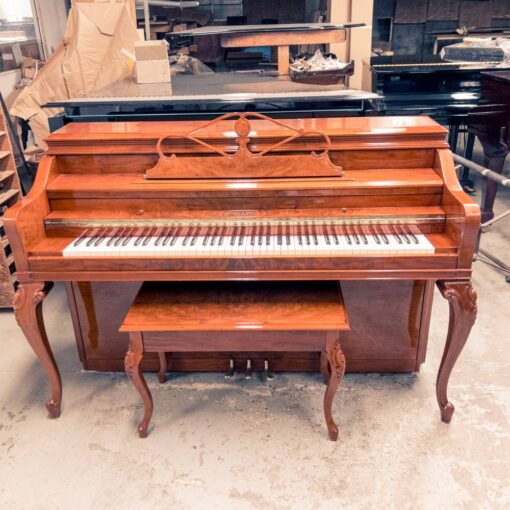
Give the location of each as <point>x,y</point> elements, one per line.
<point>407,131</point>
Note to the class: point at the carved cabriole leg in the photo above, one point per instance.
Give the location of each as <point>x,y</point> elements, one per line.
<point>336,361</point>
<point>462,299</point>
<point>132,362</point>
<point>163,367</point>
<point>28,312</point>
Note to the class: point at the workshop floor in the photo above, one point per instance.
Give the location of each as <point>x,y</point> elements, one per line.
<point>258,445</point>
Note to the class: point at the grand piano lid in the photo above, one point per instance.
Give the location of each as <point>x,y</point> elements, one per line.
<point>214,87</point>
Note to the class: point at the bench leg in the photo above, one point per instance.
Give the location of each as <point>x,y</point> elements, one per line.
<point>163,367</point>
<point>336,362</point>
<point>132,365</point>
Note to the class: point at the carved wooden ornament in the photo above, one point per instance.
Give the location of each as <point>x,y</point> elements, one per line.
<point>244,163</point>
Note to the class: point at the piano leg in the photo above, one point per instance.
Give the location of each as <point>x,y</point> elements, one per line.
<point>495,152</point>
<point>336,362</point>
<point>132,362</point>
<point>462,299</point>
<point>28,312</point>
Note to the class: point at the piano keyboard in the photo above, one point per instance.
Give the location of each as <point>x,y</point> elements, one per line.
<point>249,241</point>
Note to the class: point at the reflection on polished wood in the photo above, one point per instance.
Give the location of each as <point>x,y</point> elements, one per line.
<point>396,173</point>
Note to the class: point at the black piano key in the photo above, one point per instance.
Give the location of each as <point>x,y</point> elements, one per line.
<point>162,236</point>
<point>383,235</point>
<point>242,231</point>
<point>150,234</point>
<point>299,230</point>
<point>332,230</point>
<point>254,230</point>
<point>355,235</point>
<point>287,234</point>
<point>362,234</point>
<point>188,236</point>
<point>194,236</point>
<point>234,234</point>
<point>140,236</point>
<point>396,236</point>
<point>325,234</point>
<point>268,234</point>
<point>260,234</point>
<point>413,230</point>
<point>348,234</point>
<point>120,236</point>
<point>113,235</point>
<point>100,236</point>
<point>374,233</point>
<point>92,237</point>
<point>206,234</point>
<point>80,238</point>
<point>314,235</point>
<point>168,235</point>
<point>222,234</point>
<point>307,234</point>
<point>279,235</point>
<point>215,233</point>
<point>406,238</point>
<point>175,235</point>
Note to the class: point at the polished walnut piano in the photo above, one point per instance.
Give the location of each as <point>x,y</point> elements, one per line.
<point>244,197</point>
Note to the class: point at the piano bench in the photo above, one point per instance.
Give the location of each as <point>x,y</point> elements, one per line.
<point>237,317</point>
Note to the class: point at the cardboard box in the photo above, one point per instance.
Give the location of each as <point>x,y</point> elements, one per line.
<point>152,62</point>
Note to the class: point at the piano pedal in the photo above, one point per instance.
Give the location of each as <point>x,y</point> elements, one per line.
<point>268,375</point>
<point>230,371</point>
<point>248,371</point>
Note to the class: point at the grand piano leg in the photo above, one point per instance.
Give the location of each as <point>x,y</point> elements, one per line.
<point>28,312</point>
<point>336,362</point>
<point>462,299</point>
<point>495,152</point>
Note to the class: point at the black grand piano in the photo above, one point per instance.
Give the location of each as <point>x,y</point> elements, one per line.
<point>446,91</point>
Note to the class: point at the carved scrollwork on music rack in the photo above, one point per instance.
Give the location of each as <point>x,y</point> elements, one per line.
<point>278,160</point>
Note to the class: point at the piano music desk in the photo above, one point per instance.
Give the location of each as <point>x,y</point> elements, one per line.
<point>229,316</point>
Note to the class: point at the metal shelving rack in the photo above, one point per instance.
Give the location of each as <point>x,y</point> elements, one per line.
<point>10,193</point>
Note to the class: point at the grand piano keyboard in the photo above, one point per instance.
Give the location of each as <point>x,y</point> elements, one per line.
<point>250,240</point>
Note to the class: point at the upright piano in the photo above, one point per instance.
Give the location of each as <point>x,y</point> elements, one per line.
<point>246,197</point>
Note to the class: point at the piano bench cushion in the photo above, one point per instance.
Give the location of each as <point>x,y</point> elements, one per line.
<point>235,307</point>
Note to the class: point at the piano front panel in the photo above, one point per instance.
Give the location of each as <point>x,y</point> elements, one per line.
<point>391,342</point>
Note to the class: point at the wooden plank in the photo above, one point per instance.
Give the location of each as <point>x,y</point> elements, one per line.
<point>282,38</point>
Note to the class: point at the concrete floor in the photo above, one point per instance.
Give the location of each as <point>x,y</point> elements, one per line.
<point>253,445</point>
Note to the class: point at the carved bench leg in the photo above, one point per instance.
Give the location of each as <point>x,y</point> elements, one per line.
<point>28,312</point>
<point>163,367</point>
<point>336,362</point>
<point>132,361</point>
<point>462,299</point>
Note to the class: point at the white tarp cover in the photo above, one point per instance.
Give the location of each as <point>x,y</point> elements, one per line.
<point>89,58</point>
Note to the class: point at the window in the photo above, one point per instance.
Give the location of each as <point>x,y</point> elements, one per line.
<point>18,34</point>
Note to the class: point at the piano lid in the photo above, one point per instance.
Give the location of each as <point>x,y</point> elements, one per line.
<point>344,133</point>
